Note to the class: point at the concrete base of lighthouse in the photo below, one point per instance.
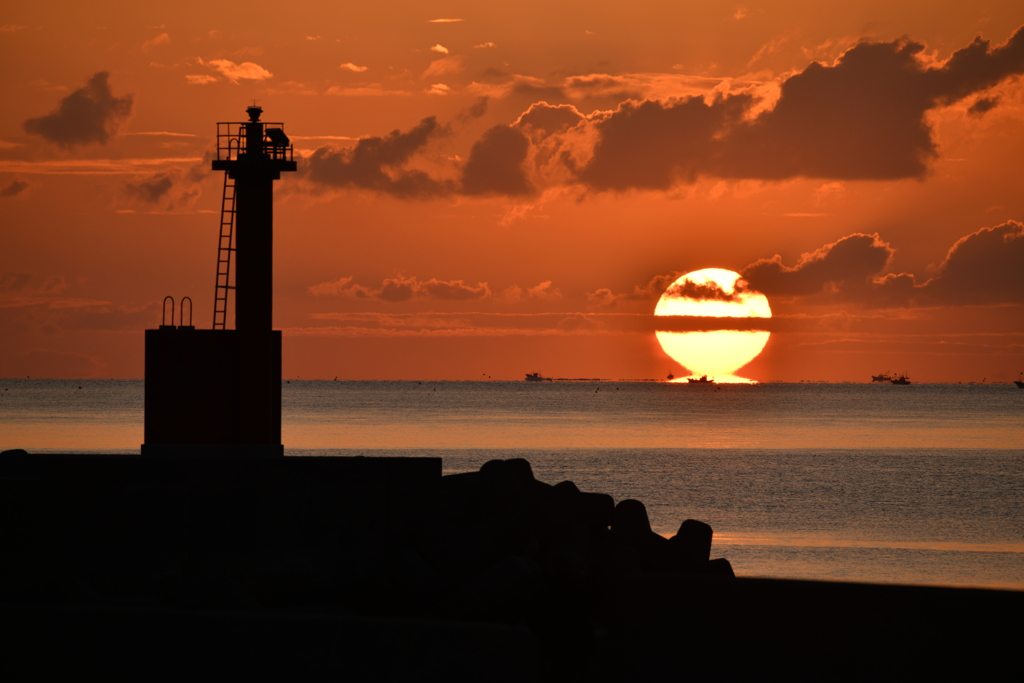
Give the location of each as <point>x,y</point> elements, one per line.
<point>212,393</point>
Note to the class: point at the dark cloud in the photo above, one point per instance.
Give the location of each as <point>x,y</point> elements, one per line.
<point>89,114</point>
<point>653,144</point>
<point>494,75</point>
<point>495,164</point>
<point>652,291</point>
<point>403,288</point>
<point>581,322</point>
<point>982,106</point>
<point>13,188</point>
<point>862,118</point>
<point>704,291</point>
<point>982,268</point>
<point>849,262</point>
<point>171,189</point>
<point>477,110</point>
<point>13,282</point>
<point>151,190</point>
<point>377,164</point>
<point>453,290</point>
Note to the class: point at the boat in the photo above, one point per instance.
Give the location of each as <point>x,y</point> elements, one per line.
<point>702,380</point>
<point>536,377</point>
<point>901,379</point>
<point>1019,381</point>
<point>884,377</point>
<point>671,377</point>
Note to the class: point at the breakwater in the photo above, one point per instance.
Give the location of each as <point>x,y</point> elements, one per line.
<point>381,567</point>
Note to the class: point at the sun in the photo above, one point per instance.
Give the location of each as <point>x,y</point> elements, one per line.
<point>713,293</point>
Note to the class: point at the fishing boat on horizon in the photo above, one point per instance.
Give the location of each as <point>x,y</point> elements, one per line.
<point>884,377</point>
<point>702,380</point>
<point>901,379</point>
<point>536,377</point>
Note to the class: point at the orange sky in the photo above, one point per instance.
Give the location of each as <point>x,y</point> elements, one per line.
<point>511,190</point>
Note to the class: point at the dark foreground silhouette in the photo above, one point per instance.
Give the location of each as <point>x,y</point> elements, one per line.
<point>382,569</point>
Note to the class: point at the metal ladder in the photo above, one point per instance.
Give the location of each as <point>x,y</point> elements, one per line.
<point>225,247</point>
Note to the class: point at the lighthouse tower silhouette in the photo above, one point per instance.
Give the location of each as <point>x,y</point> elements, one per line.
<point>218,391</point>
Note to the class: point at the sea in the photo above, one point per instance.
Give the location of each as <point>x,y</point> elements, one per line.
<point>919,484</point>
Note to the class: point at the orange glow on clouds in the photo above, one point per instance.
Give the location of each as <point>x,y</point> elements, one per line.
<point>452,163</point>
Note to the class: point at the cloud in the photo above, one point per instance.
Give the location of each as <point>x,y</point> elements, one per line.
<point>171,189</point>
<point>484,45</point>
<point>453,290</point>
<point>249,71</point>
<point>162,39</point>
<point>549,119</point>
<point>443,21</point>
<point>353,67</point>
<point>13,189</point>
<point>200,79</point>
<point>544,291</point>
<point>581,322</point>
<point>849,262</point>
<point>476,110</point>
<point>89,114</point>
<point>14,282</point>
<point>982,106</point>
<point>515,294</point>
<point>704,291</point>
<point>862,118</point>
<point>654,145</point>
<point>336,288</point>
<point>151,190</point>
<point>11,28</point>
<point>445,65</point>
<point>602,298</point>
<point>439,48</point>
<point>371,90</point>
<point>652,291</point>
<point>495,164</point>
<point>377,163</point>
<point>982,268</point>
<point>403,288</point>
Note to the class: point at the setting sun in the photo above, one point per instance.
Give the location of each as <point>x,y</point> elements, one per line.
<point>713,293</point>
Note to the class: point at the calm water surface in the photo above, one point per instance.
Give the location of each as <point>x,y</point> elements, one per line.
<point>917,484</point>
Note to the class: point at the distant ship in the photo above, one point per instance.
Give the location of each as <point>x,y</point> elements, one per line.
<point>902,379</point>
<point>703,380</point>
<point>884,377</point>
<point>535,377</point>
<point>1018,382</point>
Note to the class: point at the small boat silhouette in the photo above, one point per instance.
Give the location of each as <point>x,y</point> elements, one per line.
<point>702,380</point>
<point>901,379</point>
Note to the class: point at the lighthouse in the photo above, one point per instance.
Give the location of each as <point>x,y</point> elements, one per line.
<point>218,391</point>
